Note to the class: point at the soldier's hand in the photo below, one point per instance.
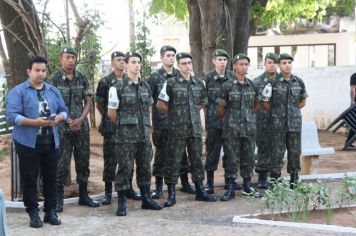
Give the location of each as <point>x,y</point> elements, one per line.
<point>58,119</point>
<point>69,121</point>
<point>43,122</point>
<point>76,124</point>
<point>267,92</point>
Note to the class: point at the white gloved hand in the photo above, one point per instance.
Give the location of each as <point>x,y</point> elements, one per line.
<point>163,94</point>
<point>267,92</point>
<point>114,101</point>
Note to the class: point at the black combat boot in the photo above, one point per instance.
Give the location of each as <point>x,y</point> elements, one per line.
<point>293,180</point>
<point>51,217</point>
<point>84,198</point>
<point>230,193</point>
<point>274,179</point>
<point>147,202</point>
<point>108,194</point>
<point>236,184</point>
<point>171,199</point>
<point>186,187</point>
<point>122,203</point>
<point>201,194</point>
<point>132,194</point>
<point>248,190</point>
<point>59,204</point>
<point>159,188</point>
<point>210,182</point>
<point>35,220</point>
<point>262,180</point>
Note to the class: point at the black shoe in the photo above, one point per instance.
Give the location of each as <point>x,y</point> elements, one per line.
<point>186,187</point>
<point>35,220</point>
<point>230,193</point>
<point>262,181</point>
<point>51,218</point>
<point>210,182</point>
<point>147,202</point>
<point>293,180</point>
<point>248,190</point>
<point>84,198</point>
<point>108,194</point>
<point>122,203</point>
<point>132,194</point>
<point>171,199</point>
<point>236,184</point>
<point>159,188</point>
<point>59,204</point>
<point>201,194</point>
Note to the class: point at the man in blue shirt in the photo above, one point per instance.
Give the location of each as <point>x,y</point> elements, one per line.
<point>35,108</point>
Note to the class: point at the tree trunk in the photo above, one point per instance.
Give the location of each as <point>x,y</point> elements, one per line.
<point>132,38</point>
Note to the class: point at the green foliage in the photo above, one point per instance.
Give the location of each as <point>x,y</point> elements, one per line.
<point>176,8</point>
<point>348,190</point>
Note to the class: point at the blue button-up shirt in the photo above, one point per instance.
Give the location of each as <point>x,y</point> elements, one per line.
<point>22,102</point>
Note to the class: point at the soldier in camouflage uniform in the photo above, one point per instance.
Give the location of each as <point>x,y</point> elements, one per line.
<point>263,136</point>
<point>74,132</point>
<point>129,106</point>
<point>107,128</point>
<point>284,97</point>
<point>160,124</point>
<point>238,102</point>
<point>182,97</point>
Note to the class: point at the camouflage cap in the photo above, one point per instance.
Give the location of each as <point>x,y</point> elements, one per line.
<point>241,56</point>
<point>68,49</point>
<point>272,56</point>
<point>167,48</point>
<point>285,56</point>
<point>132,54</point>
<point>117,54</point>
<point>182,55</point>
<point>220,53</point>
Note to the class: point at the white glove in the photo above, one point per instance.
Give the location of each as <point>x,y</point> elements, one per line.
<point>163,94</point>
<point>114,101</point>
<point>267,93</point>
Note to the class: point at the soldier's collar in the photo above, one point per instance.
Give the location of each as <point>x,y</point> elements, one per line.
<point>236,81</point>
<point>64,77</point>
<point>164,72</point>
<point>216,76</point>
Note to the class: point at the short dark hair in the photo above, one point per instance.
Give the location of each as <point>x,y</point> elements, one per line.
<point>37,59</point>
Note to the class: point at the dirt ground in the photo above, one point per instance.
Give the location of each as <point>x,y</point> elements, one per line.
<point>187,217</point>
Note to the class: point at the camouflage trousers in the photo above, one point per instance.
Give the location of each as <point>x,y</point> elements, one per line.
<point>160,140</point>
<point>127,154</point>
<point>240,154</point>
<point>110,161</point>
<point>213,145</point>
<point>176,147</point>
<point>78,145</point>
<point>280,142</point>
<point>263,142</point>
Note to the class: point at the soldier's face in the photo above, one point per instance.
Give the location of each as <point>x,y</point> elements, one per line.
<point>68,61</point>
<point>241,66</point>
<point>168,58</point>
<point>270,66</point>
<point>185,65</point>
<point>220,63</point>
<point>133,66</point>
<point>37,73</point>
<point>285,66</point>
<point>118,63</point>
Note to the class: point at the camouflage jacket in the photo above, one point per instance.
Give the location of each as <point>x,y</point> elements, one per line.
<point>73,92</point>
<point>239,101</point>
<point>213,84</point>
<point>286,96</point>
<point>156,81</point>
<point>185,97</point>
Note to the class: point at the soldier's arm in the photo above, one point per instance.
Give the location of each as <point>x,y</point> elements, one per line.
<point>99,97</point>
<point>221,100</point>
<point>266,106</point>
<point>303,95</point>
<point>163,99</point>
<point>302,103</point>
<point>353,93</point>
<point>113,104</point>
<point>76,123</point>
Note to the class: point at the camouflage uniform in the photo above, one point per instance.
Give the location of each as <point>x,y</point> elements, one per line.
<point>214,124</point>
<point>184,126</point>
<point>263,135</point>
<point>239,126</point>
<point>286,123</point>
<point>132,134</point>
<point>107,128</point>
<point>73,91</point>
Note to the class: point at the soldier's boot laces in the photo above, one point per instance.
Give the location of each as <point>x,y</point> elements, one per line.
<point>262,181</point>
<point>59,203</point>
<point>230,193</point>
<point>108,194</point>
<point>122,203</point>
<point>171,199</point>
<point>293,180</point>
<point>159,188</point>
<point>147,202</point>
<point>248,190</point>
<point>236,185</point>
<point>201,194</point>
<point>210,182</point>
<point>186,187</point>
<point>84,198</point>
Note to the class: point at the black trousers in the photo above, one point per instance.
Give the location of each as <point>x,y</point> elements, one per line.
<point>42,158</point>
